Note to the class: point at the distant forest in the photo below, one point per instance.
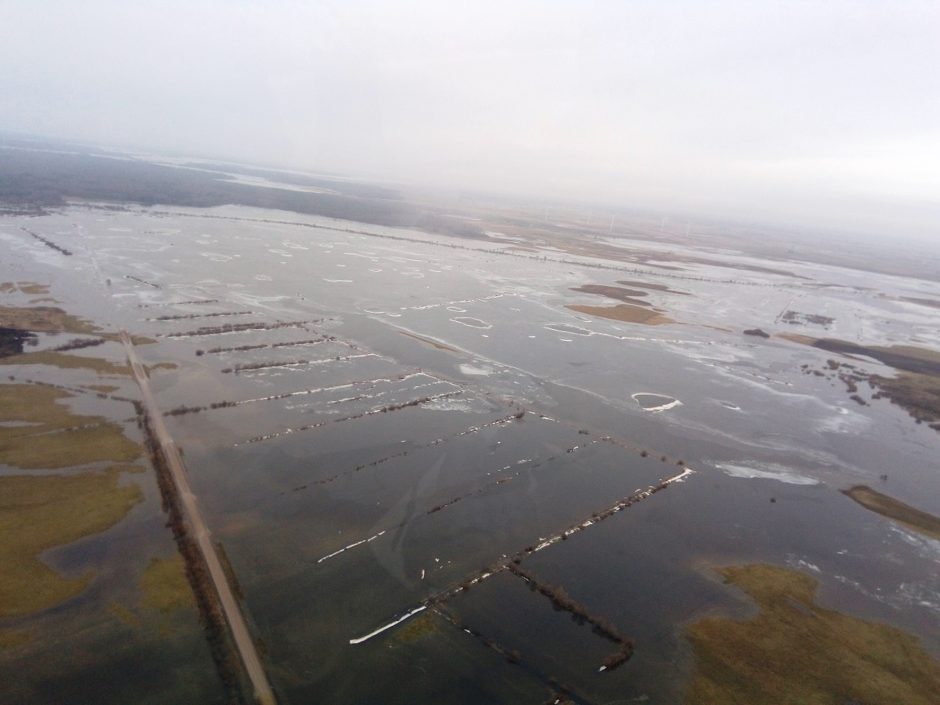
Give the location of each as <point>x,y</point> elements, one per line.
<point>34,180</point>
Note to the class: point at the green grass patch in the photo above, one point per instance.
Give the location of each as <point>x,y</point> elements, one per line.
<point>41,512</point>
<point>164,585</point>
<point>68,362</point>
<point>103,388</point>
<point>10,639</point>
<point>34,404</point>
<point>794,652</point>
<point>416,628</point>
<point>55,437</point>
<point>30,288</point>
<point>125,616</point>
<point>68,448</point>
<point>45,319</point>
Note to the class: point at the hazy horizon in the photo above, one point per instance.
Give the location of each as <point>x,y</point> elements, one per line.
<point>811,115</point>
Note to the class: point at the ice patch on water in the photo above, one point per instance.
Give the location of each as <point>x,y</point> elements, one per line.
<point>475,371</point>
<point>795,562</point>
<point>768,471</point>
<point>845,421</point>
<point>668,402</point>
<point>681,477</point>
<point>451,404</point>
<point>569,329</point>
<point>926,547</point>
<point>907,595</point>
<point>388,626</point>
<point>216,257</point>
<point>917,593</point>
<point>471,322</point>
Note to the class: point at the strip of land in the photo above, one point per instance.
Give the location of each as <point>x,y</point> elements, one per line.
<point>916,388</point>
<point>428,341</point>
<point>628,296</point>
<point>627,313</point>
<point>199,532</point>
<point>896,510</point>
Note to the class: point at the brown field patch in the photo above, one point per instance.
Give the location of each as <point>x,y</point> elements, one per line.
<point>627,313</point>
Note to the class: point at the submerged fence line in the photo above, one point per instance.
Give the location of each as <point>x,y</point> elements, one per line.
<point>596,517</point>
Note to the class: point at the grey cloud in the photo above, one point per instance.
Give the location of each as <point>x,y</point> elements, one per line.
<point>823,113</point>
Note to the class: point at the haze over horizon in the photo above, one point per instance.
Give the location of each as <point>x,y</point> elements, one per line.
<point>825,115</point>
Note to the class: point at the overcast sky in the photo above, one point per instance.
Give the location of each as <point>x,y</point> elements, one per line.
<point>816,112</point>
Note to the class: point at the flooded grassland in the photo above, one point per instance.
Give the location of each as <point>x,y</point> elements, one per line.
<point>79,516</point>
<point>463,471</point>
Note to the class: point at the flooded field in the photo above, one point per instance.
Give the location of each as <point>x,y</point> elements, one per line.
<point>446,470</point>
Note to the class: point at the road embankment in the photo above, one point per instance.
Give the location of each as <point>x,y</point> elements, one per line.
<point>218,605</point>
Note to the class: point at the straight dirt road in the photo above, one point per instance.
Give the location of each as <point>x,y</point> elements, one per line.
<point>199,532</point>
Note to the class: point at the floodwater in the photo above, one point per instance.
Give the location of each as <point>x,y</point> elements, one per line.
<point>372,416</point>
